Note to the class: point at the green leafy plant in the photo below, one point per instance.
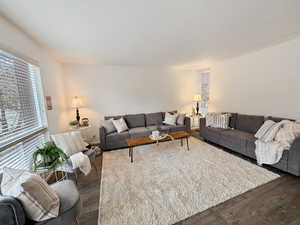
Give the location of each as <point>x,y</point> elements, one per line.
<point>48,157</point>
<point>74,123</point>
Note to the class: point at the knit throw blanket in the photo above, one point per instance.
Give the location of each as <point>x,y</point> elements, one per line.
<point>273,138</point>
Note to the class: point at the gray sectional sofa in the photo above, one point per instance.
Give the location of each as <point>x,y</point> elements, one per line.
<point>240,138</point>
<point>139,125</point>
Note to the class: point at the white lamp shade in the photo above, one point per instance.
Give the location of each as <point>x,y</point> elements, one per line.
<point>197,98</point>
<point>77,102</point>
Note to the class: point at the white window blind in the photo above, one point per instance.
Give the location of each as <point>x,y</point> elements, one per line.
<point>22,115</point>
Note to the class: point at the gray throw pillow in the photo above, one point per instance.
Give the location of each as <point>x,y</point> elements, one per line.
<point>180,119</point>
<point>109,126</point>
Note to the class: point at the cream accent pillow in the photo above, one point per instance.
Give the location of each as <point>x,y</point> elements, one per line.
<point>170,119</point>
<point>120,125</point>
<point>38,199</point>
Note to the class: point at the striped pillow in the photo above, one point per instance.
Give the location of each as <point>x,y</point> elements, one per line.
<point>39,201</point>
<point>218,120</point>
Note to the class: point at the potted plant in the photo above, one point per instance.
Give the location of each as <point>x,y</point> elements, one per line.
<point>48,157</point>
<point>74,123</point>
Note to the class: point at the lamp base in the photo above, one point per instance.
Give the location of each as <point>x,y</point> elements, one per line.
<point>77,115</point>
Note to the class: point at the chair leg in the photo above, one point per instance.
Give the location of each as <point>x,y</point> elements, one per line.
<point>95,166</point>
<point>77,222</point>
<point>76,177</point>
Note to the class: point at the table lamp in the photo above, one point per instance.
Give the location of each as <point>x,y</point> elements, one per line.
<point>77,103</point>
<point>197,99</point>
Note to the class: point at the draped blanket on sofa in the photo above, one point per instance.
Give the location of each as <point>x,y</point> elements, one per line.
<point>273,138</point>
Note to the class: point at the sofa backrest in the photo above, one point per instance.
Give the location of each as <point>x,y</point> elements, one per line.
<point>249,123</point>
<point>154,118</point>
<point>135,120</point>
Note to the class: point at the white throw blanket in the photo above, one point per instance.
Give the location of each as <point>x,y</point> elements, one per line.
<point>273,139</point>
<point>81,161</point>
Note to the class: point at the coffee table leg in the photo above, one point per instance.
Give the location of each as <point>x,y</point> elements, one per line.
<point>181,141</point>
<point>187,143</point>
<point>129,151</point>
<point>131,154</point>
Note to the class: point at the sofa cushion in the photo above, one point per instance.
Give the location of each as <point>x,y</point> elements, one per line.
<point>154,118</point>
<point>236,140</point>
<point>135,120</point>
<point>139,132</point>
<point>177,128</point>
<point>232,120</point>
<point>249,123</point>
<point>212,134</point>
<point>165,128</point>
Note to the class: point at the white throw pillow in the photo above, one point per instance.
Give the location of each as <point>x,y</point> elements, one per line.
<point>120,125</point>
<point>170,119</point>
<point>38,199</point>
<point>264,128</point>
<point>218,120</point>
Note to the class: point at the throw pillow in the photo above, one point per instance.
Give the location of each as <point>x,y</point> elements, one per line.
<point>39,201</point>
<point>218,120</point>
<point>221,121</point>
<point>180,119</point>
<point>210,117</point>
<point>286,135</point>
<point>264,128</point>
<point>271,133</point>
<point>120,125</point>
<point>170,119</point>
<point>109,126</point>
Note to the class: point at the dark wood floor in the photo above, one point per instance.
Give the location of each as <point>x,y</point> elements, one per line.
<point>275,203</point>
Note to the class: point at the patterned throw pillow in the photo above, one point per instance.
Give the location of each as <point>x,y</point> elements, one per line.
<point>120,125</point>
<point>218,120</point>
<point>264,128</point>
<point>39,201</point>
<point>170,119</point>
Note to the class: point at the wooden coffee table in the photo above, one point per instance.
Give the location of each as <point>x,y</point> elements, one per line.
<point>133,142</point>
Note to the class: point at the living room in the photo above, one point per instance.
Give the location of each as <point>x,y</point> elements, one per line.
<point>149,112</point>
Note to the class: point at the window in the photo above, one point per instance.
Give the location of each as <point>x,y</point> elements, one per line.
<point>22,115</point>
<point>204,91</point>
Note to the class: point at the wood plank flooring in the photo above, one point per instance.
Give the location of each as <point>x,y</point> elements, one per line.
<point>275,203</point>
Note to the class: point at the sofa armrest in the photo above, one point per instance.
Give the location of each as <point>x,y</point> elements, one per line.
<point>11,211</point>
<point>102,135</point>
<point>294,158</point>
<point>187,123</point>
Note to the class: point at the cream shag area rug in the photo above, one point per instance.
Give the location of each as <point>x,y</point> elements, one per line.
<point>167,183</point>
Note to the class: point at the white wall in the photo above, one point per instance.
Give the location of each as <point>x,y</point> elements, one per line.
<point>15,40</point>
<point>265,82</point>
<point>113,90</point>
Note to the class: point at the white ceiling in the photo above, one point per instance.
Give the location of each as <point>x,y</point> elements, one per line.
<point>154,32</point>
